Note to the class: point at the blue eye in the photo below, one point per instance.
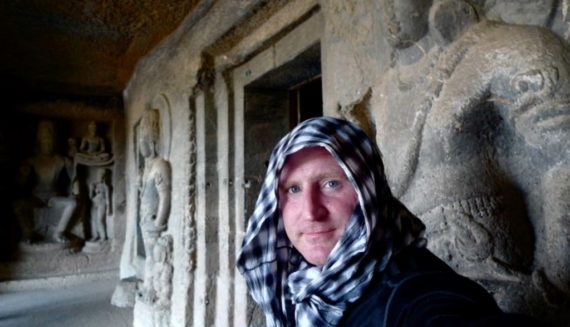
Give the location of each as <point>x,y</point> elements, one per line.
<point>294,189</point>
<point>332,183</point>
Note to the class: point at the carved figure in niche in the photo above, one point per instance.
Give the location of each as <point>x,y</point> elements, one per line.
<point>92,148</point>
<point>100,205</point>
<point>499,96</point>
<point>154,190</point>
<point>43,174</point>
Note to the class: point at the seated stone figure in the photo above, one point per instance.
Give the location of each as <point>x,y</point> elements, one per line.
<point>41,196</point>
<point>92,148</point>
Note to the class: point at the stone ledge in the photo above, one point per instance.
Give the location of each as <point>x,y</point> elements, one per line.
<point>57,281</point>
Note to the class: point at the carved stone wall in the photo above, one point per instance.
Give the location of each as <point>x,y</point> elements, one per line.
<point>468,100</point>
<point>472,118</point>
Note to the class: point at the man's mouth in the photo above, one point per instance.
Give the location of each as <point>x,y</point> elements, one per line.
<point>319,232</point>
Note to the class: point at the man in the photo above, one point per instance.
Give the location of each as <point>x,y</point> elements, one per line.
<point>328,245</point>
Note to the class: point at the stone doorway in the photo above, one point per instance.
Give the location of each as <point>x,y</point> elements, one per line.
<point>273,104</point>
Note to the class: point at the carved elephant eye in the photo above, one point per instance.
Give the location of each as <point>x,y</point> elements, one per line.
<point>531,81</point>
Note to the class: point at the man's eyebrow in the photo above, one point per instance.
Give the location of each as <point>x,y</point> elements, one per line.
<point>318,176</point>
<point>336,174</point>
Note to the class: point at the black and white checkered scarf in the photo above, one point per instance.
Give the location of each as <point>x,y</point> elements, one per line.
<point>289,290</point>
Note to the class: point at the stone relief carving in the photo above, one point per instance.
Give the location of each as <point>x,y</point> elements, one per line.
<point>160,291</point>
<point>92,150</point>
<point>154,187</point>
<point>58,196</point>
<point>44,208</point>
<point>94,160</point>
<point>473,121</point>
<point>517,99</point>
<point>153,201</point>
<point>100,196</point>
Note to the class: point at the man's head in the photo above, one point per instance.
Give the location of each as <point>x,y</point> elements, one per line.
<point>324,204</point>
<point>316,201</point>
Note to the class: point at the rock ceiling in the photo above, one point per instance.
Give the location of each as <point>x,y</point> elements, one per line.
<point>81,47</point>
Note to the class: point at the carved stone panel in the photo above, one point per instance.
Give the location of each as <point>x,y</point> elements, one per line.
<point>475,135</point>
<point>60,203</point>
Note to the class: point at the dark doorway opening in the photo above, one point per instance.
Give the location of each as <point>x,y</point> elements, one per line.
<point>275,103</point>
<point>305,101</point>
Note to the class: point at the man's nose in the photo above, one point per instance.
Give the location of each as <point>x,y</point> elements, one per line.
<point>313,204</point>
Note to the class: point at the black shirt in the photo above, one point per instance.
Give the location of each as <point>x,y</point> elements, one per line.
<point>418,289</point>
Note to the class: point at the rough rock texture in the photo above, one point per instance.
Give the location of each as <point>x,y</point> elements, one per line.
<point>81,47</point>
<point>472,130</point>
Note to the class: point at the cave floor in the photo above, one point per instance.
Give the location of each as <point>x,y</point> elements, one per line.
<point>86,305</point>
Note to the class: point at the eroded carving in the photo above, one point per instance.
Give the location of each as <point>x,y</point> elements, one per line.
<point>92,151</point>
<point>154,191</point>
<point>100,197</point>
<point>471,127</point>
<point>160,291</point>
<point>47,189</point>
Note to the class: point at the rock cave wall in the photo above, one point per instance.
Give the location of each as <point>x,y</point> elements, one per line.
<point>468,101</point>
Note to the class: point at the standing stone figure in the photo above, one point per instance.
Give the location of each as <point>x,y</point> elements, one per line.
<point>100,205</point>
<point>43,173</point>
<point>154,192</point>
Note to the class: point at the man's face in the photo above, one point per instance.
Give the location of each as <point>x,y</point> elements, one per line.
<point>316,201</point>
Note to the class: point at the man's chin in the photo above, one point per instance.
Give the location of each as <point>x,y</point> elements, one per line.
<point>317,254</point>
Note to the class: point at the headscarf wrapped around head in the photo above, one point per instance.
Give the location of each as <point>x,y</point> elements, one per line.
<point>289,290</point>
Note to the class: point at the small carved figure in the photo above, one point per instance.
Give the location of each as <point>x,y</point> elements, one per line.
<point>92,148</point>
<point>100,205</point>
<point>92,143</point>
<point>161,281</point>
<point>43,173</point>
